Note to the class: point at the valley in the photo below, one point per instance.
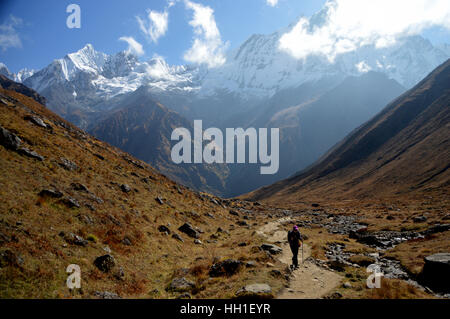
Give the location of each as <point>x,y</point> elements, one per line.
<point>156,181</point>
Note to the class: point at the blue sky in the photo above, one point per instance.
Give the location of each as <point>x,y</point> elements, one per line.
<point>44,35</point>
<point>34,33</point>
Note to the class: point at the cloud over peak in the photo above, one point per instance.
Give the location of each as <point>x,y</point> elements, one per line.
<point>156,26</point>
<point>134,47</point>
<point>350,24</point>
<point>208,47</point>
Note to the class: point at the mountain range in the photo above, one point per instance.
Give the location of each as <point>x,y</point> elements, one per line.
<point>403,150</point>
<point>258,86</point>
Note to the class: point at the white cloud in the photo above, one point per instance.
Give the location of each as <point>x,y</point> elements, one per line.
<point>207,47</point>
<point>272,3</point>
<point>350,24</point>
<point>157,24</point>
<point>133,46</point>
<point>9,37</point>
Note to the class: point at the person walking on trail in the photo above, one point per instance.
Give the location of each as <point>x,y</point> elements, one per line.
<point>295,241</point>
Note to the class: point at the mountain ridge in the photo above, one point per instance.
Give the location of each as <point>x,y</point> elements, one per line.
<point>407,132</point>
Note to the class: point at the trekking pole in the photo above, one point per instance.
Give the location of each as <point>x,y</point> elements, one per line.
<point>303,261</point>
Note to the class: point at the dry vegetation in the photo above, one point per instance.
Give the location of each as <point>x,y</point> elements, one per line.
<point>32,224</point>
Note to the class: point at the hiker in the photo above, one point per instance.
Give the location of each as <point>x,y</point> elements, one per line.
<point>295,241</point>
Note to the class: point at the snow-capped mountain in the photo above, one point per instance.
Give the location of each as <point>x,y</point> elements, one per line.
<point>21,76</point>
<point>108,75</point>
<point>255,71</point>
<point>259,68</point>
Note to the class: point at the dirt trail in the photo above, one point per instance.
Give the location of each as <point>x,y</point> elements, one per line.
<point>309,281</point>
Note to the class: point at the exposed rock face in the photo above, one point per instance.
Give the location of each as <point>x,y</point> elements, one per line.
<point>435,273</point>
<point>255,291</point>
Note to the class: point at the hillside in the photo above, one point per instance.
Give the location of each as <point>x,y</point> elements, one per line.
<point>404,150</point>
<point>143,127</point>
<point>308,129</point>
<point>68,198</point>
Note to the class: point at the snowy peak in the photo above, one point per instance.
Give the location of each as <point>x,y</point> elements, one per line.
<point>21,76</point>
<point>85,60</point>
<point>120,65</point>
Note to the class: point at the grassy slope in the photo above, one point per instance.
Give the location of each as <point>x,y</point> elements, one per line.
<point>33,223</point>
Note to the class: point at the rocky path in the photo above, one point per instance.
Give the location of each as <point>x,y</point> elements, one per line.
<point>307,282</point>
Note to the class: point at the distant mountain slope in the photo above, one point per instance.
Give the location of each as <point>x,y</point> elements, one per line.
<point>309,129</point>
<point>8,84</point>
<point>143,127</point>
<point>404,149</point>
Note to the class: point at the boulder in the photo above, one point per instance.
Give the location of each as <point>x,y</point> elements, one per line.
<point>234,213</point>
<point>51,193</point>
<point>189,230</point>
<point>164,229</point>
<point>75,240</point>
<point>272,249</point>
<point>79,187</point>
<point>32,154</point>
<point>70,202</point>
<point>105,263</point>
<point>435,273</point>
<point>180,285</point>
<point>178,237</point>
<point>9,140</point>
<point>36,121</point>
<point>125,188</point>
<point>228,267</point>
<point>68,165</point>
<point>263,291</point>
<point>420,219</point>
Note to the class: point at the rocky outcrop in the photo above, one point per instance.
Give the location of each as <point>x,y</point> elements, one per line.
<point>435,273</point>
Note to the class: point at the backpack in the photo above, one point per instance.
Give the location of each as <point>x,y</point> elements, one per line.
<point>292,237</point>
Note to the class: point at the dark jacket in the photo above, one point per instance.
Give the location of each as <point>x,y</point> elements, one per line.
<point>294,237</point>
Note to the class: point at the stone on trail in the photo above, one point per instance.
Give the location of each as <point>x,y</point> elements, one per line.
<point>263,291</point>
